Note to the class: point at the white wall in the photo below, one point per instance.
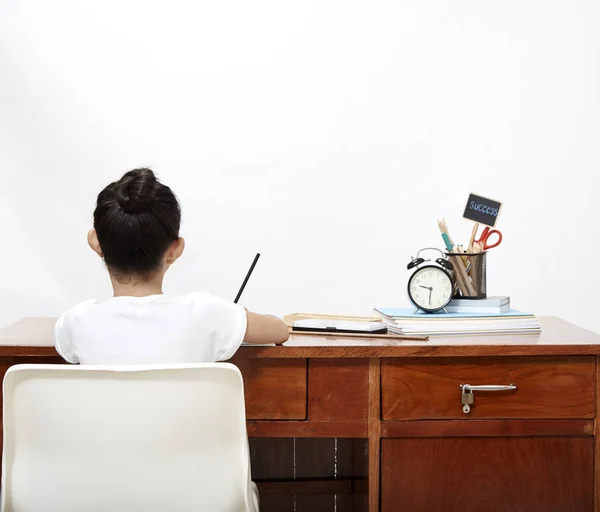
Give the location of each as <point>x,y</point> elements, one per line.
<point>327,134</point>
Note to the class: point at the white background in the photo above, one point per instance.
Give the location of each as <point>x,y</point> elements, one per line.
<point>327,134</point>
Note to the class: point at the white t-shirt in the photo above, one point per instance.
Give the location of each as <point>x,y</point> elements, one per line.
<point>157,329</point>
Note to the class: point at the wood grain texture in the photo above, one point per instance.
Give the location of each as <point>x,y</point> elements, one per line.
<point>5,364</point>
<point>38,360</point>
<point>374,432</point>
<point>597,442</point>
<point>548,387</point>
<point>273,459</point>
<point>352,463</point>
<point>361,335</point>
<point>344,350</point>
<point>274,389</point>
<point>341,459</point>
<point>34,336</point>
<point>487,428</point>
<point>341,429</point>
<point>329,475</point>
<point>27,351</point>
<point>315,458</point>
<point>488,474</point>
<point>338,390</point>
<point>323,487</point>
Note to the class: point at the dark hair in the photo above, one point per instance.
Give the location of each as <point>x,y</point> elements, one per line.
<point>136,219</point>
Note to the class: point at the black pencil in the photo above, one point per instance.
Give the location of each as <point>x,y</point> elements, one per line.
<point>247,277</point>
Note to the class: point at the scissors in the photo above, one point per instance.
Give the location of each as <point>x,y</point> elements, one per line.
<point>485,236</point>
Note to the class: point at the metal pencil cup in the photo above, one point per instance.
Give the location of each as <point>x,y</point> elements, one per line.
<point>469,275</point>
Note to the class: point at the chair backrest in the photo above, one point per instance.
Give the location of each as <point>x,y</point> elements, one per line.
<point>120,439</point>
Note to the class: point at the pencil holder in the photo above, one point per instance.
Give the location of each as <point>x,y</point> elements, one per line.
<point>469,275</point>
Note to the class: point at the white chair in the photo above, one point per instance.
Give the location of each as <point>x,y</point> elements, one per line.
<point>124,439</point>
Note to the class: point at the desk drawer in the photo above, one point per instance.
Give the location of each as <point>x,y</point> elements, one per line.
<point>275,389</point>
<point>547,387</point>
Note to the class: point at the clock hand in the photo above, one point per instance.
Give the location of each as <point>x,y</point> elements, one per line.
<point>430,290</point>
<point>426,287</point>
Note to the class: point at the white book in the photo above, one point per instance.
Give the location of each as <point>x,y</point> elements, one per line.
<point>495,301</point>
<point>511,332</point>
<point>466,327</point>
<point>452,308</point>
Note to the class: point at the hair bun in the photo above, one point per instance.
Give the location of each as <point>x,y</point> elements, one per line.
<point>135,190</point>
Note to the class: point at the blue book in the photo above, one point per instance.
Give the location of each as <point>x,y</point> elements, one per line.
<point>410,314</point>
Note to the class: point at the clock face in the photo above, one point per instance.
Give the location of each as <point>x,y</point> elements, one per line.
<point>430,288</point>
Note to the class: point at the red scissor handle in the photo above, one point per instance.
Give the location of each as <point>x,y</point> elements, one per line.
<point>485,236</point>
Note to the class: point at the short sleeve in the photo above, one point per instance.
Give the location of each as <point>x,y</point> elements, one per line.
<point>65,328</point>
<point>63,340</point>
<point>221,323</point>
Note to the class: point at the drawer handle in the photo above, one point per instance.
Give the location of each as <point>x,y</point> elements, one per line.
<point>467,398</point>
<point>468,387</point>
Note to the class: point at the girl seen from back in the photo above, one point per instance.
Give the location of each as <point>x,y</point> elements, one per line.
<point>136,233</point>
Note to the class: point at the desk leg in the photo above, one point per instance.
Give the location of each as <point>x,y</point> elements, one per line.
<point>374,432</point>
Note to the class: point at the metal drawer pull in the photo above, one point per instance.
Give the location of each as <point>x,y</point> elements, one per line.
<point>467,398</point>
<point>510,387</point>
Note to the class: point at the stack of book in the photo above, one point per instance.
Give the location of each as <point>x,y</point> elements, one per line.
<point>410,323</point>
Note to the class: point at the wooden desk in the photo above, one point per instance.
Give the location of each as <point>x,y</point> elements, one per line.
<point>315,405</point>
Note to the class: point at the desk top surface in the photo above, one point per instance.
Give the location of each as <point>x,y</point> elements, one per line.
<point>35,337</point>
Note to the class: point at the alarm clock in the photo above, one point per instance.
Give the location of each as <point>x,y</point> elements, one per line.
<point>430,286</point>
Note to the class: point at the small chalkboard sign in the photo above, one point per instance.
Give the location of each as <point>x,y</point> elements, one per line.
<point>482,210</point>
